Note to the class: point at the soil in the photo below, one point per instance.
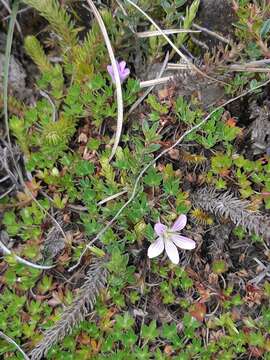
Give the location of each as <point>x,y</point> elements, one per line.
<point>217,16</point>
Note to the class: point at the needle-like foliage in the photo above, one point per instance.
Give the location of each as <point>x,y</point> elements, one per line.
<point>229,206</point>
<point>95,280</point>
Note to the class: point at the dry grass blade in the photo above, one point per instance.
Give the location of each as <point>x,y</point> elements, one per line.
<point>243,68</point>
<point>211,33</point>
<point>141,98</point>
<point>261,65</point>
<point>20,260</point>
<point>11,341</point>
<point>84,302</point>
<point>147,34</point>
<point>172,66</point>
<point>4,249</point>
<point>154,82</point>
<point>119,95</point>
<point>182,56</point>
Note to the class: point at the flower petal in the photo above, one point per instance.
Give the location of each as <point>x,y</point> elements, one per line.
<point>122,65</point>
<point>183,242</point>
<point>156,248</point>
<point>160,228</point>
<point>125,73</point>
<point>180,223</point>
<point>172,251</point>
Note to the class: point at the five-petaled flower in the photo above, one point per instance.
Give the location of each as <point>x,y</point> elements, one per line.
<point>169,238</point>
<point>122,70</point>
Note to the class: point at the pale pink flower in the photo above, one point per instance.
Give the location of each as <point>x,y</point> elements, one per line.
<point>169,238</point>
<point>122,70</point>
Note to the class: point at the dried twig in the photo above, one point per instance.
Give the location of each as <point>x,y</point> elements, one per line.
<point>7,192</point>
<point>6,5</point>
<point>211,33</point>
<point>246,68</point>
<point>265,272</point>
<point>154,82</point>
<point>181,66</point>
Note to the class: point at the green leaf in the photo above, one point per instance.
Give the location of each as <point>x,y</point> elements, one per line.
<point>256,339</point>
<point>156,106</point>
<point>93,144</point>
<point>84,168</point>
<point>129,338</point>
<point>150,332</point>
<point>221,163</point>
<point>265,28</point>
<point>152,178</point>
<point>124,322</point>
<point>169,331</point>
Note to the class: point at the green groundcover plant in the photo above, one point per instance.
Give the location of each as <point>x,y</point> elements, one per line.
<point>128,299</point>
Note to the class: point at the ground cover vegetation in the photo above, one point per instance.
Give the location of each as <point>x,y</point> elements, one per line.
<point>91,216</point>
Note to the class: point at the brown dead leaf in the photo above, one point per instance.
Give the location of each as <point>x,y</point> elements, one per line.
<point>163,93</point>
<point>225,173</point>
<point>231,122</point>
<point>174,154</point>
<point>255,352</point>
<point>216,335</point>
<point>83,138</point>
<point>253,296</point>
<point>236,314</point>
<point>213,279</point>
<point>242,258</point>
<point>168,350</point>
<point>198,311</point>
<point>204,292</point>
<point>33,186</point>
<point>178,173</point>
<point>84,339</point>
<point>95,345</point>
<point>64,259</point>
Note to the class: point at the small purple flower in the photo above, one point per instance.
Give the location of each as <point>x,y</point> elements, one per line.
<point>169,238</point>
<point>122,70</point>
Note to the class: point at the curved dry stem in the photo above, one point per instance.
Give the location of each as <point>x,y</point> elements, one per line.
<point>119,96</point>
<point>13,342</point>
<point>6,251</point>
